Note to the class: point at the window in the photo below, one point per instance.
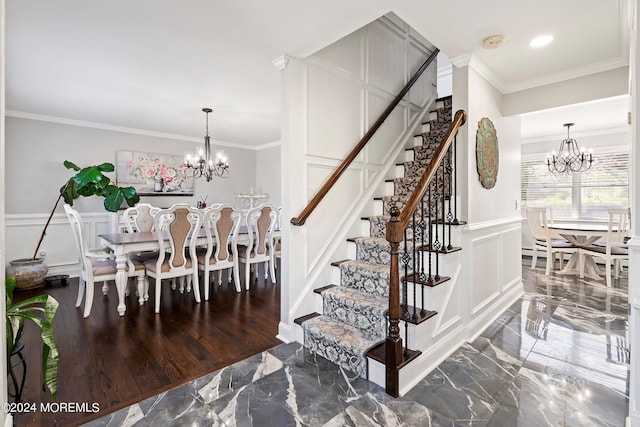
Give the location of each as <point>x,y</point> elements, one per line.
<point>583,196</point>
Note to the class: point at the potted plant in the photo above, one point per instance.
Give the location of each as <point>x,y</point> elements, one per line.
<point>88,181</point>
<point>40,310</point>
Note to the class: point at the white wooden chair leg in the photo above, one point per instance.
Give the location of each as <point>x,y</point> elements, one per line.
<point>236,275</point>
<point>173,284</point>
<point>196,286</point>
<point>105,288</point>
<point>140,290</point>
<point>608,273</point>
<point>247,273</point>
<point>158,288</point>
<point>272,270</point>
<point>81,285</point>
<point>550,259</point>
<point>88,301</point>
<point>206,283</point>
<point>266,269</point>
<point>146,288</point>
<point>534,259</point>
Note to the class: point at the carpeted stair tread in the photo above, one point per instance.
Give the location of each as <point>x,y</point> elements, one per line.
<point>342,344</point>
<point>365,277</point>
<point>362,310</point>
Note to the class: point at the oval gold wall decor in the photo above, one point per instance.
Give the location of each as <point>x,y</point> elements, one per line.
<point>487,157</point>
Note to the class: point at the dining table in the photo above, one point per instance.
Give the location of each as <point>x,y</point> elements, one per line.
<point>124,244</point>
<point>581,235</point>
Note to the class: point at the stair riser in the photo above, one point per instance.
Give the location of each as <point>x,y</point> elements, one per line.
<point>380,254</point>
<point>370,320</point>
<point>336,353</point>
<point>435,212</point>
<point>368,281</point>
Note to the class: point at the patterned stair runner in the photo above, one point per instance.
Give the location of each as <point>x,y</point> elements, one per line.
<point>354,313</point>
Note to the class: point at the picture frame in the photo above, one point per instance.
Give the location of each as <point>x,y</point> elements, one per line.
<point>153,174</point>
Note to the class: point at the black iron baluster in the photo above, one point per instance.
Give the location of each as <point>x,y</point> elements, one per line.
<point>450,194</point>
<point>415,267</point>
<point>405,284</point>
<point>436,242</point>
<point>442,206</point>
<point>430,279</point>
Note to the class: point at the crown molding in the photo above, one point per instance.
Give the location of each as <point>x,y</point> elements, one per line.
<point>576,135</point>
<point>268,145</point>
<point>487,73</point>
<point>281,62</point>
<point>563,76</point>
<point>462,60</point>
<point>122,129</point>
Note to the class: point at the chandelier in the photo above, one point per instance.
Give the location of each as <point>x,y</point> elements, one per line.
<point>569,158</point>
<point>202,164</point>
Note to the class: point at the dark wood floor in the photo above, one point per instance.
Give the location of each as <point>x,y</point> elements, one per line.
<point>116,361</point>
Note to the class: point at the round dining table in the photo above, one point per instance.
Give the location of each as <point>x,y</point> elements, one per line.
<point>580,234</point>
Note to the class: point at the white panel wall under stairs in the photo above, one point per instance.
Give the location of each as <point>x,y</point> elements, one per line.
<point>329,101</point>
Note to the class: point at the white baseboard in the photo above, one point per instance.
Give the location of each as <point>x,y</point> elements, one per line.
<point>285,333</point>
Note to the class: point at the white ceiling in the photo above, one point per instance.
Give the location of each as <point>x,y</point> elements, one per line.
<point>153,64</point>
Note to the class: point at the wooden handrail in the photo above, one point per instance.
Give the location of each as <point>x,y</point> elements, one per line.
<point>333,178</point>
<point>421,187</point>
<point>394,235</point>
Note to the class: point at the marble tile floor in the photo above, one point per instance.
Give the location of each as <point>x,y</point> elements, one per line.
<point>557,357</point>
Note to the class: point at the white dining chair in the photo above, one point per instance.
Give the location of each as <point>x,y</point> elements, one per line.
<point>139,218</point>
<point>97,265</point>
<point>221,224</point>
<point>177,255</point>
<point>544,240</point>
<point>613,249</point>
<point>260,225</point>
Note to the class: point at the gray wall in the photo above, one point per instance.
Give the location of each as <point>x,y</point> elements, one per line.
<point>35,151</point>
<point>268,168</point>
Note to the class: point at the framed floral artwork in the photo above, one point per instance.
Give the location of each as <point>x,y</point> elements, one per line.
<point>153,174</point>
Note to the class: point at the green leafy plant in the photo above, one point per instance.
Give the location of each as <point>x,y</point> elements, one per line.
<point>40,310</point>
<point>91,181</point>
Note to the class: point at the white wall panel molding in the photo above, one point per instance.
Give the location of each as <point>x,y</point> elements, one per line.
<point>327,107</point>
<point>475,227</point>
<point>451,288</point>
<point>24,230</point>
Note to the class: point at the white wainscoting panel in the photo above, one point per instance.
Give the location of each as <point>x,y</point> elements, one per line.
<point>336,207</point>
<point>485,269</point>
<point>23,231</point>
<point>387,62</point>
<point>381,144</point>
<point>336,104</point>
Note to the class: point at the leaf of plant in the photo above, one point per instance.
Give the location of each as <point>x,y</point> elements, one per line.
<point>106,167</point>
<point>91,175</point>
<point>71,165</point>
<point>69,192</point>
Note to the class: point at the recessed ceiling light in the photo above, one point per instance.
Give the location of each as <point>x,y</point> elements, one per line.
<point>493,42</point>
<point>541,41</point>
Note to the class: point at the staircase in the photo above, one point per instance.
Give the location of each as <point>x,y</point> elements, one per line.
<point>353,322</point>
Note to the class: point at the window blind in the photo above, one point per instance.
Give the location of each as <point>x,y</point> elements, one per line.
<point>582,196</point>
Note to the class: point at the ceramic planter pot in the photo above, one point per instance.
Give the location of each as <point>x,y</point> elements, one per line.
<point>29,273</point>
